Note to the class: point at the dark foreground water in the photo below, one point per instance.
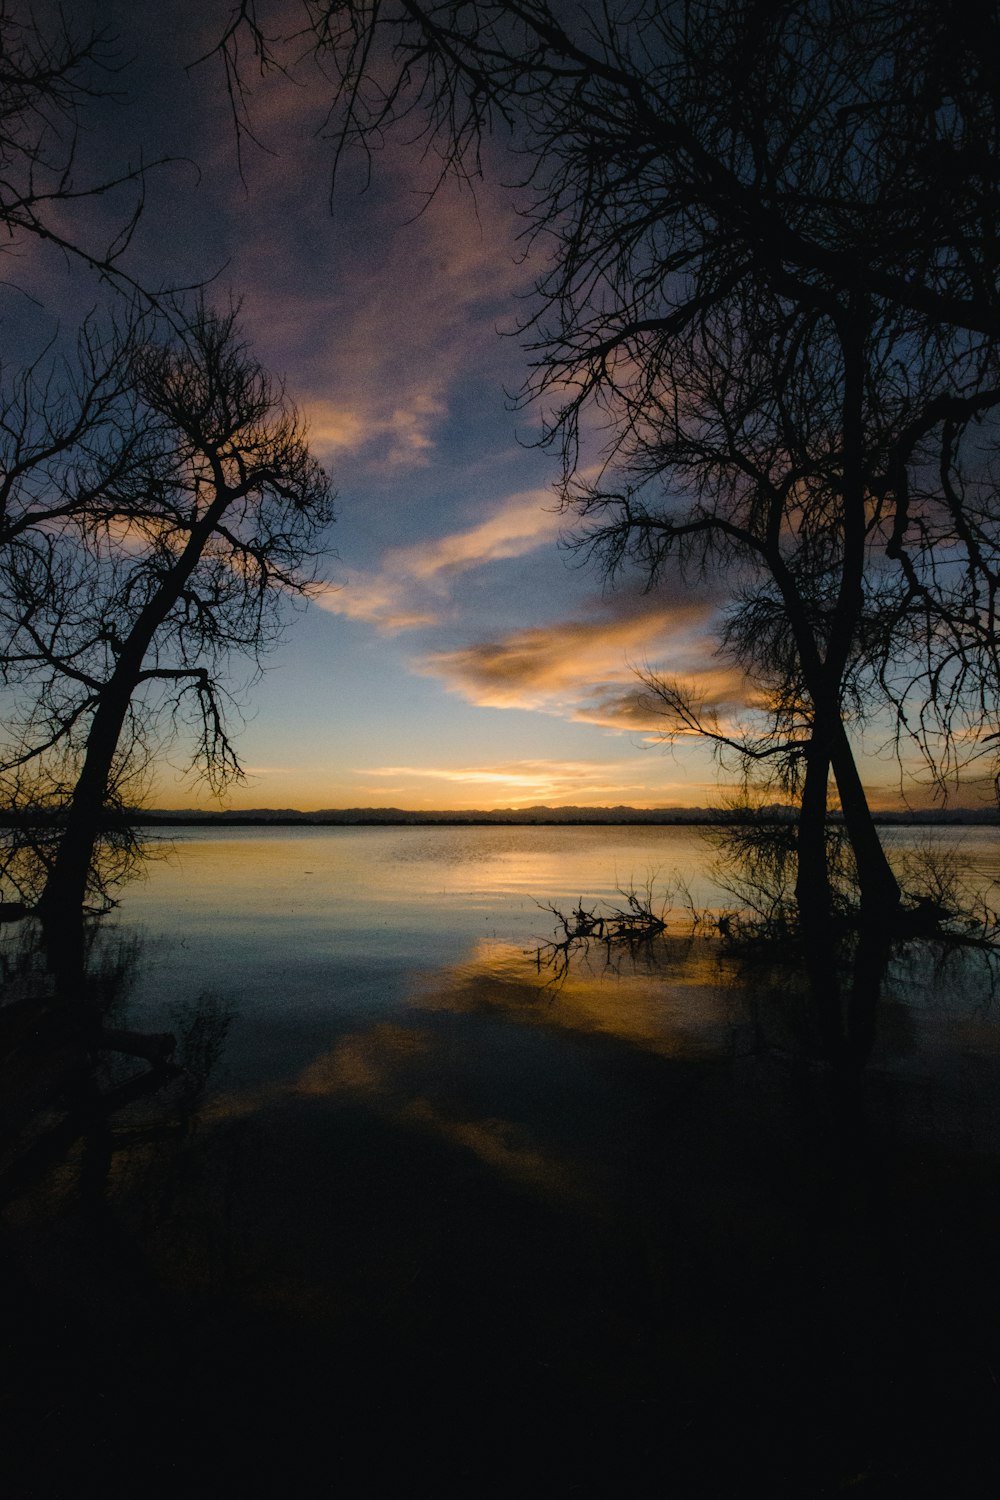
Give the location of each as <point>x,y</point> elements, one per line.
<point>417,1220</point>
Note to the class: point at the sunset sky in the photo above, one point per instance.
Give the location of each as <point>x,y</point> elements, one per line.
<point>458,655</point>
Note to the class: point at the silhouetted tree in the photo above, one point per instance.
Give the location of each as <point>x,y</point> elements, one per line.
<point>51,68</point>
<point>773,237</point>
<point>152,543</point>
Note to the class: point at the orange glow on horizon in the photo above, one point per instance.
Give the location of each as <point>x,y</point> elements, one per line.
<point>632,776</point>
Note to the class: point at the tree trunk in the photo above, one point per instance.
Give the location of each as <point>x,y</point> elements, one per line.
<point>66,887</point>
<point>879,896</point>
<point>814,895</point>
<point>877,885</point>
<point>61,905</point>
<point>871,958</point>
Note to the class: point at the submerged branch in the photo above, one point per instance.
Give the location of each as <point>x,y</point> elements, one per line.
<point>631,926</point>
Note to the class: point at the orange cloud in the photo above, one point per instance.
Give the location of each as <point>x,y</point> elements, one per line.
<point>584,669</point>
<point>717,689</point>
<point>379,601</point>
<point>396,436</point>
<point>528,781</point>
<point>522,523</point>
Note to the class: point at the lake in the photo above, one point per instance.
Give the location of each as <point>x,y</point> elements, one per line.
<point>309,932</point>
<point>437,1219</point>
<point>312,929</point>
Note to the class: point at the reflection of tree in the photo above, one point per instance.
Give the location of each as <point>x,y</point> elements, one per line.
<point>68,1072</point>
<point>632,927</point>
<point>755,927</point>
<point>97,1134</point>
<point>32,832</point>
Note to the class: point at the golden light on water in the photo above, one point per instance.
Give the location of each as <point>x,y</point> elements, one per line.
<point>680,1007</point>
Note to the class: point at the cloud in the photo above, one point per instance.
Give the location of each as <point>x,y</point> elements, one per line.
<point>521,524</point>
<point>378,600</point>
<point>395,436</point>
<point>716,689</point>
<point>410,588</point>
<point>526,781</point>
<point>584,669</point>
<point>386,304</point>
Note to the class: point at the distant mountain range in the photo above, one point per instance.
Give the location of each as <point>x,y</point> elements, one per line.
<point>369,816</point>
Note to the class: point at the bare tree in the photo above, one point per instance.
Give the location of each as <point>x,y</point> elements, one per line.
<point>52,69</point>
<point>157,500</point>
<point>163,536</point>
<point>690,161</point>
<point>656,132</point>
<point>818,175</point>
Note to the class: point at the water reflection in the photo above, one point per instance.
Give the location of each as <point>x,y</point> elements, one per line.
<point>387,1070</point>
<point>438,1223</point>
<point>678,1001</point>
<point>73,1068</point>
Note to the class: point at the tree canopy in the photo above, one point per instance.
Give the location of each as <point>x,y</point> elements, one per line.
<point>771,244</point>
<point>771,236</point>
<point>157,514</point>
<point>53,68</point>
<point>158,499</point>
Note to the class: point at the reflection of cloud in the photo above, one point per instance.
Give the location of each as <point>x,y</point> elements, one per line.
<point>373,1064</point>
<point>419,1072</point>
<point>681,1011</point>
<point>406,592</point>
<point>504,1145</point>
<point>364,1061</point>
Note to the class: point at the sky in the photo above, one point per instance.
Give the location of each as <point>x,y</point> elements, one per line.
<point>458,653</point>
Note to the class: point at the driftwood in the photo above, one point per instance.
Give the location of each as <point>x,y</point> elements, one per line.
<point>630,926</point>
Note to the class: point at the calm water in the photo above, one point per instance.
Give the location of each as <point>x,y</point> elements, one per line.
<point>310,933</point>
<point>312,929</point>
<point>438,1226</point>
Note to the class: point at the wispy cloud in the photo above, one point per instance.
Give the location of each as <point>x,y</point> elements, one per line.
<point>410,588</point>
<point>525,782</point>
<point>377,599</point>
<point>388,306</point>
<point>521,524</point>
<point>394,434</point>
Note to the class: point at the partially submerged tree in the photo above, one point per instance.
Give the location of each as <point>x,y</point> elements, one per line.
<point>143,552</point>
<point>773,237</point>
<point>773,455</point>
